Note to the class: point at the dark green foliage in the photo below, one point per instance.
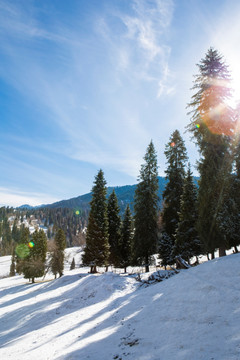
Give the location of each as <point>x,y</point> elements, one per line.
<point>7,242</point>
<point>175,152</point>
<point>57,256</point>
<point>72,267</point>
<point>146,210</point>
<point>114,226</point>
<point>187,243</point>
<point>13,266</point>
<point>97,247</point>
<point>212,126</point>
<point>21,254</point>
<point>229,217</point>
<point>16,232</point>
<point>126,239</point>
<point>34,264</point>
<point>165,249</point>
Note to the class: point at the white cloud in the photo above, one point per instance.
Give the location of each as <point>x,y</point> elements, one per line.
<point>14,198</point>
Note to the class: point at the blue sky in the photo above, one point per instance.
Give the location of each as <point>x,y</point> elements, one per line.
<point>87,84</point>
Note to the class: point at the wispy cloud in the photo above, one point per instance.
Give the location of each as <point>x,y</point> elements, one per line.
<point>94,89</point>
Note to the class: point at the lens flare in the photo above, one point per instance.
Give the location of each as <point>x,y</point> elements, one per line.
<point>216,116</point>
<point>31,244</point>
<point>22,250</point>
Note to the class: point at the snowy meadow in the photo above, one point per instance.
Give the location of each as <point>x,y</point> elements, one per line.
<point>192,315</point>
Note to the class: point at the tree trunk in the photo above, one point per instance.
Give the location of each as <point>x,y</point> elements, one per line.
<point>208,257</point>
<point>125,270</point>
<point>146,268</point>
<point>212,255</point>
<point>236,249</point>
<point>106,268</point>
<point>33,280</point>
<point>222,251</point>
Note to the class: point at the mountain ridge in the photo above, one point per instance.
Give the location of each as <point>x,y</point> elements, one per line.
<point>125,195</point>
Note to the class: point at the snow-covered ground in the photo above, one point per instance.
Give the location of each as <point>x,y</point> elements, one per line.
<point>192,315</point>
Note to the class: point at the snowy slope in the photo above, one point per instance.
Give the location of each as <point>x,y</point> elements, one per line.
<point>193,315</point>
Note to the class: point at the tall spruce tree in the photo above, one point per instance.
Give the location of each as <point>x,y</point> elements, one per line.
<point>146,210</point>
<point>187,242</point>
<point>57,258</point>
<point>212,126</point>
<point>114,229</point>
<point>96,252</point>
<point>176,155</point>
<point>126,239</point>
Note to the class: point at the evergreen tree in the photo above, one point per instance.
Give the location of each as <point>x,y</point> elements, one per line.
<point>187,242</point>
<point>175,153</point>
<point>96,252</point>
<point>72,267</point>
<point>22,250</point>
<point>34,263</point>
<point>126,239</point>
<point>6,243</point>
<point>146,210</point>
<point>212,126</point>
<point>57,259</point>
<point>165,249</point>
<point>15,232</point>
<point>114,226</point>
<point>13,266</point>
<point>229,217</point>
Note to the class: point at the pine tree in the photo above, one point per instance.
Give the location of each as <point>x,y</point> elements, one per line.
<point>165,249</point>
<point>212,126</point>
<point>175,153</point>
<point>126,239</point>
<point>57,258</point>
<point>114,228</point>
<point>187,242</point>
<point>72,267</point>
<point>34,263</point>
<point>146,210</point>
<point>96,252</point>
<point>229,217</point>
<point>13,266</point>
